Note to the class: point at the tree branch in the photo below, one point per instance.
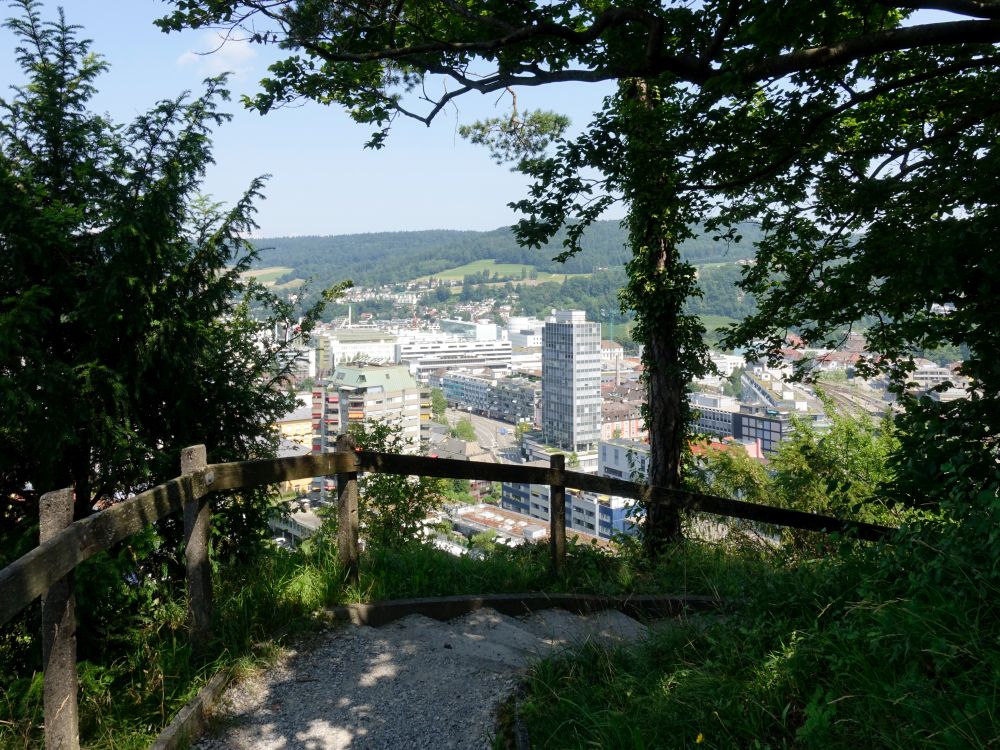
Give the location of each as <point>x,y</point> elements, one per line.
<point>893,40</point>
<point>487,36</point>
<point>792,151</point>
<point>972,8</point>
<point>719,38</point>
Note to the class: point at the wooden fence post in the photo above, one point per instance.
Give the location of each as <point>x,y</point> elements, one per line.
<point>557,515</point>
<point>62,729</point>
<point>197,526</point>
<point>347,510</point>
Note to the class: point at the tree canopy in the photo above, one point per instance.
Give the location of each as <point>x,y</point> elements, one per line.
<point>126,330</point>
<point>723,110</point>
<point>374,58</point>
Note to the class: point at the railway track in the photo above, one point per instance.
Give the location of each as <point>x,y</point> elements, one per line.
<point>851,401</point>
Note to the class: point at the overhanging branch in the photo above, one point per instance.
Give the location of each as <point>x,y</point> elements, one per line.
<point>893,40</point>
<point>970,8</point>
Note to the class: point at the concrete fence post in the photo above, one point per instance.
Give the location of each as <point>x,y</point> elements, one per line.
<point>557,514</point>
<point>347,510</point>
<point>62,727</point>
<point>197,527</point>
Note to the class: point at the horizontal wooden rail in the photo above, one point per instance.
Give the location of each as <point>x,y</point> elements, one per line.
<point>720,506</point>
<point>54,560</point>
<point>245,474</point>
<point>795,519</point>
<point>257,473</point>
<point>28,577</point>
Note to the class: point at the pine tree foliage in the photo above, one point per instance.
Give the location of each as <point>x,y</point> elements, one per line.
<point>126,329</point>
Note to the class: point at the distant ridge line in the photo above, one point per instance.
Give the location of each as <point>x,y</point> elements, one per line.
<point>397,256</point>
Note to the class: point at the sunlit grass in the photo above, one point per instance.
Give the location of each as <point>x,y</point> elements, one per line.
<point>799,658</point>
<point>811,657</point>
<point>512,270</point>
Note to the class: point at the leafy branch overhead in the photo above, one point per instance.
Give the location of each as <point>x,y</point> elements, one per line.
<point>517,138</point>
<point>371,57</point>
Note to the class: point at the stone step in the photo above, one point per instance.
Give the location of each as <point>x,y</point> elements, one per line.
<point>462,643</point>
<point>489,625</point>
<point>562,629</point>
<point>613,625</point>
<point>415,682</point>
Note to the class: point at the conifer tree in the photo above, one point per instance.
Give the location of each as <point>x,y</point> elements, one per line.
<point>126,329</point>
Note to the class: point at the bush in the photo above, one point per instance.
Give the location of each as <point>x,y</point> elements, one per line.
<point>391,509</point>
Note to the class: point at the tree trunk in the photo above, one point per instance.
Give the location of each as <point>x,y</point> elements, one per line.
<point>666,413</point>
<point>659,284</point>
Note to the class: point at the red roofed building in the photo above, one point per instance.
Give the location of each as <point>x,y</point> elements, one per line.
<point>753,449</point>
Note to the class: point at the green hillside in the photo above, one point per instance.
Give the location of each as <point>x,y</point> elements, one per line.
<point>515,271</point>
<point>387,257</point>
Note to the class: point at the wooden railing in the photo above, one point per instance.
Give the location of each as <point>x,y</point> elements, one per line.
<point>47,571</point>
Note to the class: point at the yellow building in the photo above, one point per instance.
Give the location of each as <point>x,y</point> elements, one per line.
<point>295,431</point>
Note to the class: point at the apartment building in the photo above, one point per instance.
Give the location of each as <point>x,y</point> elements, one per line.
<point>511,400</point>
<point>571,381</point>
<point>602,516</point>
<point>622,419</point>
<point>358,393</point>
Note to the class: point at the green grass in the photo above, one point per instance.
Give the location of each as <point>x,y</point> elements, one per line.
<point>711,322</point>
<point>268,276</point>
<point>149,672</point>
<point>843,652</point>
<point>815,654</point>
<point>619,330</point>
<point>146,672</point>
<point>513,270</point>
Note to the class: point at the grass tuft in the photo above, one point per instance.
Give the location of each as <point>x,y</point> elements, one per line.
<point>810,657</point>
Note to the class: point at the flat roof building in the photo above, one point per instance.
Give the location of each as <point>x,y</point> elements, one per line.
<point>571,381</point>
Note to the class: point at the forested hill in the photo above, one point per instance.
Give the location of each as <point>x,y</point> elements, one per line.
<point>385,257</point>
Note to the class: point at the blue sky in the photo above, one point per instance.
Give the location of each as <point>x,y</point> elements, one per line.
<point>323,181</point>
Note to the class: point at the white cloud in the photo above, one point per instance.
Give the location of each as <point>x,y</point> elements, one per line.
<point>216,55</point>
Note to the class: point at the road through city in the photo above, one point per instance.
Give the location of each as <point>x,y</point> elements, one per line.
<point>491,434</point>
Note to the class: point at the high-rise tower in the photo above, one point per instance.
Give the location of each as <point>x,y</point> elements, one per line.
<point>571,381</point>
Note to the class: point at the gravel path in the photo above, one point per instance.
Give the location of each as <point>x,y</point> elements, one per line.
<point>416,683</point>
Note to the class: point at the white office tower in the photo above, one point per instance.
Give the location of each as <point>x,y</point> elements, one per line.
<point>571,381</point>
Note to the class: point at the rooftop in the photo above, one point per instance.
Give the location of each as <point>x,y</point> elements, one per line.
<point>362,334</point>
<point>389,377</point>
<point>504,521</point>
<point>302,413</point>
